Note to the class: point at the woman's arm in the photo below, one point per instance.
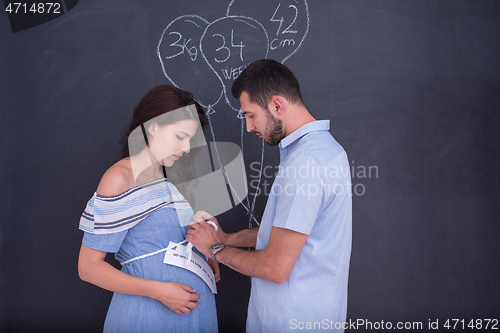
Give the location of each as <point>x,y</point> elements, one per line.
<point>92,268</point>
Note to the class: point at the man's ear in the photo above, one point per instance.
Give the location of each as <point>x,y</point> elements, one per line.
<point>278,104</point>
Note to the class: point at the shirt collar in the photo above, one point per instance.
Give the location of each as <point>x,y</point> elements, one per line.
<point>318,125</point>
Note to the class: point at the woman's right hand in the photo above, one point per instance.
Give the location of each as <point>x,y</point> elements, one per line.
<point>179,297</point>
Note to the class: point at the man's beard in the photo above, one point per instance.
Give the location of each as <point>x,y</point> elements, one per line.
<point>274,129</point>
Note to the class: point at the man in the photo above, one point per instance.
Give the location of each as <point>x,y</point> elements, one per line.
<point>302,248</point>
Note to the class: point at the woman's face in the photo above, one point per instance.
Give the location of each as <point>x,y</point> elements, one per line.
<point>169,142</point>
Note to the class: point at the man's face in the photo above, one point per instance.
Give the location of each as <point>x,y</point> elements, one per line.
<point>261,121</point>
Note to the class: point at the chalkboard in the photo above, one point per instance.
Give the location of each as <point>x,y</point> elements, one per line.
<point>412,90</point>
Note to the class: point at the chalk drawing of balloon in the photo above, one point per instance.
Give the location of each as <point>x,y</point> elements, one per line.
<point>286,22</point>
<point>229,45</point>
<point>182,62</point>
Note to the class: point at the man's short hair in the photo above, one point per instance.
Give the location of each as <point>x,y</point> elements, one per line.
<point>266,78</point>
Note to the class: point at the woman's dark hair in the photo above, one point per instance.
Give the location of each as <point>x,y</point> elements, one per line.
<point>156,102</point>
<point>266,78</point>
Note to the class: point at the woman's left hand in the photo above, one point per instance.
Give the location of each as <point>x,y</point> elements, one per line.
<point>215,268</point>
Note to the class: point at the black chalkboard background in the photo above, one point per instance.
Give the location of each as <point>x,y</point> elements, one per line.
<point>412,89</point>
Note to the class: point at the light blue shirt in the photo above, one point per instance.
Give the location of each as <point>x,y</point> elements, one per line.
<point>311,195</point>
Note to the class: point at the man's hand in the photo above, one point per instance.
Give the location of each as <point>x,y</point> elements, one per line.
<point>202,235</point>
<point>204,216</point>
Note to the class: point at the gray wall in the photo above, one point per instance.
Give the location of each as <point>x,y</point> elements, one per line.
<point>412,89</point>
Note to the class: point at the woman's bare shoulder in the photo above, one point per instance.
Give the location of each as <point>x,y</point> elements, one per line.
<point>117,179</point>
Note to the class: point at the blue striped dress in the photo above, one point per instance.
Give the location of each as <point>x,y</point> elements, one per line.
<point>140,221</point>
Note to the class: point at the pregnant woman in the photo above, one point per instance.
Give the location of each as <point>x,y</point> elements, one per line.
<point>136,211</point>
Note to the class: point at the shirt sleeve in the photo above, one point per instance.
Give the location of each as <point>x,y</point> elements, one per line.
<point>109,242</point>
<point>300,191</point>
<point>104,242</point>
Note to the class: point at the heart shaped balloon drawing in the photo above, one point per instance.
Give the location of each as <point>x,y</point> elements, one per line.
<point>212,54</point>
<point>228,45</point>
<point>286,22</point>
<point>179,48</point>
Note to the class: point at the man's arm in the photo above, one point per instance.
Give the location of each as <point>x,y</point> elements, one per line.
<point>275,263</point>
<point>242,238</point>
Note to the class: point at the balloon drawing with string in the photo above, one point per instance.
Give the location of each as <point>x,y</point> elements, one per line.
<point>206,57</point>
